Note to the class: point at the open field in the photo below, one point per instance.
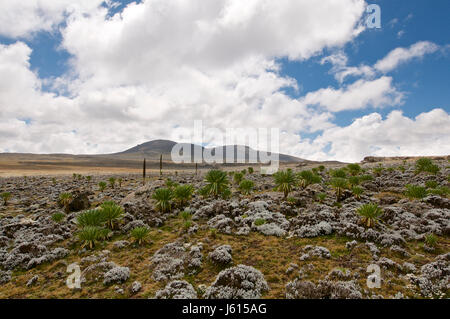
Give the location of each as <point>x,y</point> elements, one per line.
<point>306,245</point>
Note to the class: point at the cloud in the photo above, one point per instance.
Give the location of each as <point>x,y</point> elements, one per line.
<point>24,18</point>
<point>151,70</point>
<point>359,95</point>
<point>397,135</point>
<point>403,55</point>
<point>392,60</point>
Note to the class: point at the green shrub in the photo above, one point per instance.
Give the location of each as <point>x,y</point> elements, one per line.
<point>250,170</point>
<point>183,194</point>
<point>112,182</point>
<point>339,185</point>
<point>357,191</point>
<point>378,170</point>
<point>102,186</point>
<point>185,215</point>
<point>321,197</point>
<point>306,178</point>
<point>365,178</point>
<point>246,186</point>
<point>431,240</point>
<point>354,169</point>
<point>370,214</point>
<point>163,197</point>
<point>321,168</point>
<point>92,217</point>
<point>440,191</point>
<point>5,196</point>
<point>89,235</point>
<point>422,164</point>
<point>259,222</point>
<point>238,178</point>
<point>58,217</point>
<point>171,184</point>
<point>353,180</point>
<point>111,213</point>
<point>338,173</point>
<point>217,183</point>
<point>284,181</point>
<point>140,235</point>
<point>431,184</point>
<point>65,199</point>
<point>415,192</point>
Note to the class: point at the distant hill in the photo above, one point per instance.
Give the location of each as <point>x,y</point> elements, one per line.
<point>153,149</point>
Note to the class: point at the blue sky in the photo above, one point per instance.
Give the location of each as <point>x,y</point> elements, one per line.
<point>58,60</point>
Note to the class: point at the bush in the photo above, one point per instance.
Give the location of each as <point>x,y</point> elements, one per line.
<point>431,240</point>
<point>58,217</point>
<point>183,193</point>
<point>5,196</point>
<point>217,183</point>
<point>112,182</point>
<point>353,180</point>
<point>111,212</point>
<point>370,213</point>
<point>307,178</point>
<point>140,235</point>
<point>440,191</point>
<point>163,197</point>
<point>354,169</point>
<point>426,165</point>
<point>415,192</point>
<point>366,178</point>
<point>338,173</point>
<point>259,222</point>
<point>65,199</point>
<point>321,197</point>
<point>238,178</point>
<point>284,181</point>
<point>357,191</point>
<point>339,185</point>
<point>92,217</point>
<point>89,235</point>
<point>171,184</point>
<point>185,215</point>
<point>250,170</point>
<point>431,184</point>
<point>102,186</point>
<point>246,187</point>
<point>378,170</point>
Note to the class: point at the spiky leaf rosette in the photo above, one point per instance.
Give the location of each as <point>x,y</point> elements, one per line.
<point>370,214</point>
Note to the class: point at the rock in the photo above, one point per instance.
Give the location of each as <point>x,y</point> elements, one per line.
<point>120,244</point>
<point>33,281</point>
<point>5,277</point>
<point>173,260</point>
<point>136,287</point>
<point>322,228</point>
<point>221,255</point>
<point>116,275</point>
<point>239,282</point>
<point>316,251</point>
<point>325,289</point>
<point>177,289</point>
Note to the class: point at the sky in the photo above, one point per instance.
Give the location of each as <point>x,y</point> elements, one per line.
<point>93,76</point>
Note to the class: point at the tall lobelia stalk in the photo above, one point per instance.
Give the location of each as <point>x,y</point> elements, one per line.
<point>160,166</point>
<point>144,172</point>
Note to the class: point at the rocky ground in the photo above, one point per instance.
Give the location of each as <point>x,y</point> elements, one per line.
<point>248,246</point>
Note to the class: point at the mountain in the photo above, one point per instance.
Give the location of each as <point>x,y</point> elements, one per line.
<point>153,149</point>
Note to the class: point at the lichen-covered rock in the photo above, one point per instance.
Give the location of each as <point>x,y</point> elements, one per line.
<point>221,255</point>
<point>173,260</point>
<point>434,277</point>
<point>32,281</point>
<point>222,223</point>
<point>135,287</point>
<point>315,251</point>
<point>322,228</point>
<point>177,289</point>
<point>116,275</point>
<point>325,289</point>
<point>240,282</point>
<point>5,277</point>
